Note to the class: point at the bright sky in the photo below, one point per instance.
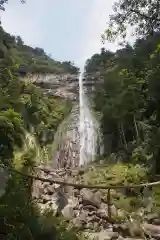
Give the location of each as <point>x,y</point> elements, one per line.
<point>68,29</point>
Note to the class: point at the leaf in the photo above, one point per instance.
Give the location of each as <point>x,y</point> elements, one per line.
<point>10,73</point>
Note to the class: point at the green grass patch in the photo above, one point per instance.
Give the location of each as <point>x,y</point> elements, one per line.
<point>118,175</point>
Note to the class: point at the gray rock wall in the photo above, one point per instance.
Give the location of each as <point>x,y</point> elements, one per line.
<point>64,85</point>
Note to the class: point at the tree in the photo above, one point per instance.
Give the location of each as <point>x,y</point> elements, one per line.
<point>143,16</point>
<point>3,2</point>
<point>19,40</point>
<point>128,100</point>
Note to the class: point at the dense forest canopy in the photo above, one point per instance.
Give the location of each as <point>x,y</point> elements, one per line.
<point>140,16</point>
<point>28,122</point>
<point>129,101</point>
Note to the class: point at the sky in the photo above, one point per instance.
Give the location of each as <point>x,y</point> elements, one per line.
<point>69,30</point>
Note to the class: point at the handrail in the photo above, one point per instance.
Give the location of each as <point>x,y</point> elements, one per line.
<point>80,186</point>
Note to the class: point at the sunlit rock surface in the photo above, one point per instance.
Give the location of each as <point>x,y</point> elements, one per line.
<point>65,85</point>
<point>66,143</point>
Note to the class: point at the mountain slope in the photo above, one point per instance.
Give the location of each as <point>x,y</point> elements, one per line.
<point>31,59</point>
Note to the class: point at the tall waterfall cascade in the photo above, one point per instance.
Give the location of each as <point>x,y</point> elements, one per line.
<point>78,139</point>
<point>89,130</point>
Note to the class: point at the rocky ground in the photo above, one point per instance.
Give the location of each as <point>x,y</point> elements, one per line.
<point>87,210</point>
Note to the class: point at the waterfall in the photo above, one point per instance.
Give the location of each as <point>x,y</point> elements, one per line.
<point>88,128</point>
<point>78,139</point>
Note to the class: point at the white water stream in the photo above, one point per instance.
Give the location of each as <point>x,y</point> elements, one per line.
<point>88,128</point>
<point>78,138</point>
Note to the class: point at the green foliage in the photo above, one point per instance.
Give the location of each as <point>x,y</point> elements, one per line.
<point>26,109</point>
<point>20,218</point>
<point>129,100</point>
<point>119,175</point>
<point>133,15</point>
<point>28,122</point>
<point>31,59</point>
<point>11,133</point>
<point>116,174</point>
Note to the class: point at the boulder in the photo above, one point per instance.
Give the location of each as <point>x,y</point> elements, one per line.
<point>57,187</point>
<point>122,228</point>
<point>77,223</point>
<point>89,225</point>
<point>103,235</point>
<point>62,201</point>
<point>89,208</point>
<point>76,192</point>
<point>72,201</point>
<point>50,189</point>
<point>89,198</point>
<point>37,190</point>
<point>94,218</point>
<point>46,198</point>
<point>113,210</point>
<point>120,238</point>
<point>128,238</point>
<point>151,230</point>
<point>83,216</point>
<point>74,173</point>
<point>152,217</point>
<point>121,213</point>
<point>81,171</point>
<point>68,212</point>
<point>96,226</point>
<point>156,221</point>
<point>102,213</point>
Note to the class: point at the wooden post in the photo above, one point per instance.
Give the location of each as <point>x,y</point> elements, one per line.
<point>109,203</point>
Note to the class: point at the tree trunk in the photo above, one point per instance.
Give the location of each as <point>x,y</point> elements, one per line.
<point>123,135</point>
<point>120,135</point>
<point>136,129</point>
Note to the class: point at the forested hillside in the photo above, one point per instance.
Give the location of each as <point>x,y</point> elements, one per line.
<point>28,122</point>
<point>129,101</point>
<point>30,59</point>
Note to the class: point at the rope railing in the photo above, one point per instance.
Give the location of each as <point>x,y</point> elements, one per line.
<point>81,186</point>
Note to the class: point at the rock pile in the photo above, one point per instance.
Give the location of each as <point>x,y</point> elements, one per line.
<point>87,210</point>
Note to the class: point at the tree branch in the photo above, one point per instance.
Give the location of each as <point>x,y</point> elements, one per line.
<point>145,16</point>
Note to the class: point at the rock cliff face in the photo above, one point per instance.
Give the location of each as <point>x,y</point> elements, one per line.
<point>66,142</point>
<point>65,85</point>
